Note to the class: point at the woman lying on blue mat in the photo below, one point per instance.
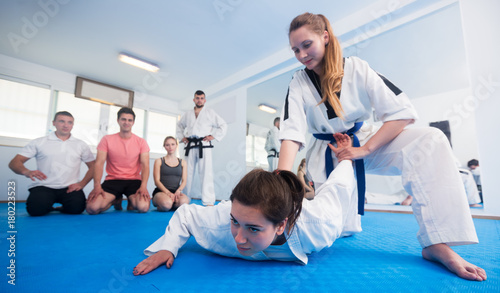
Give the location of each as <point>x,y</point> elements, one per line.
<point>267,219</point>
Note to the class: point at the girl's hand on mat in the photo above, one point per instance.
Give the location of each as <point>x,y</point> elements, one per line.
<point>154,261</point>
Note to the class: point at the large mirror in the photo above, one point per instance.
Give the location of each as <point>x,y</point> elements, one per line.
<point>423,52</point>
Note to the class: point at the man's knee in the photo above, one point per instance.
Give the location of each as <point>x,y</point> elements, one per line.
<point>139,203</point>
<point>92,209</point>
<point>75,203</point>
<point>143,207</point>
<point>36,211</point>
<point>39,203</point>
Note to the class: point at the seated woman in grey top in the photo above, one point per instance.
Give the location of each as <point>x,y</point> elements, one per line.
<point>170,175</point>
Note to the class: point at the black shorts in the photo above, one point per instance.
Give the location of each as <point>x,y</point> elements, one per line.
<point>120,187</point>
<point>158,190</point>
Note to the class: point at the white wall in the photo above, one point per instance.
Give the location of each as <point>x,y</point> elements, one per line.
<point>443,106</point>
<point>482,41</point>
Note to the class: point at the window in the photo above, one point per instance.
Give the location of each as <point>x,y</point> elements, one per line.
<point>86,115</point>
<point>256,153</point>
<point>24,109</point>
<point>27,110</point>
<point>159,127</point>
<point>137,129</point>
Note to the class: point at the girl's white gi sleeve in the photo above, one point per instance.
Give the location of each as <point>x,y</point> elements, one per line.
<point>293,124</point>
<point>322,219</point>
<point>207,224</point>
<point>388,101</point>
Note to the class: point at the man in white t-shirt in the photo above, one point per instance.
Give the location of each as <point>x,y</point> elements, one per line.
<point>56,180</point>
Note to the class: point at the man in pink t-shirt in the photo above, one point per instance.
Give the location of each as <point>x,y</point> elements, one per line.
<point>127,167</point>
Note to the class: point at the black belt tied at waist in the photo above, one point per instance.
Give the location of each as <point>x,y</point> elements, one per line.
<point>359,163</point>
<point>194,142</point>
<point>275,155</point>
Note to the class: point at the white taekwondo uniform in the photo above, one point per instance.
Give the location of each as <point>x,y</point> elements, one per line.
<point>273,147</point>
<point>318,225</point>
<point>190,126</point>
<point>422,156</point>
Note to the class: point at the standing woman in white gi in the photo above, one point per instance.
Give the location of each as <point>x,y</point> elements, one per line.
<point>196,129</point>
<point>334,94</point>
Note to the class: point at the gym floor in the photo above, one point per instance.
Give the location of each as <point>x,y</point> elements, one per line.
<point>82,253</point>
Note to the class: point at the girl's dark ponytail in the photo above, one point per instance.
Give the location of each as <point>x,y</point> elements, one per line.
<point>278,195</point>
<point>296,194</point>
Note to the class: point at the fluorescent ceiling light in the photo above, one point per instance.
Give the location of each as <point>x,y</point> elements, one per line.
<point>267,108</point>
<point>138,62</point>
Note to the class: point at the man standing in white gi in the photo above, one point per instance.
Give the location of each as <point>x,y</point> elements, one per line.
<point>58,158</point>
<point>196,129</point>
<point>273,145</point>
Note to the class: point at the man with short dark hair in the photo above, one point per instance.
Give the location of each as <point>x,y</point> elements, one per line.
<point>127,166</point>
<point>58,158</point>
<point>196,129</point>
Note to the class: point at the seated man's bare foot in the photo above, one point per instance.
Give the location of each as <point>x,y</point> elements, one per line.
<point>117,204</point>
<point>443,254</point>
<point>407,201</point>
<point>154,261</point>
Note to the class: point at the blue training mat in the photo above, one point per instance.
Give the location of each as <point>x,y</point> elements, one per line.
<point>82,253</point>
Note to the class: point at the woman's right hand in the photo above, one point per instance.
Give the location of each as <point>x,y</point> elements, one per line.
<point>154,261</point>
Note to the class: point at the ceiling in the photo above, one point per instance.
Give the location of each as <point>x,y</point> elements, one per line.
<point>215,45</point>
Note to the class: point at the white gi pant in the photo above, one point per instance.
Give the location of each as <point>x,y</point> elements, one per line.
<point>205,171</point>
<point>470,186</point>
<point>423,157</point>
<point>273,163</point>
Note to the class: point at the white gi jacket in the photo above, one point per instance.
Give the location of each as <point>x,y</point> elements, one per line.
<point>362,90</point>
<point>318,226</point>
<point>272,141</point>
<point>207,123</point>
